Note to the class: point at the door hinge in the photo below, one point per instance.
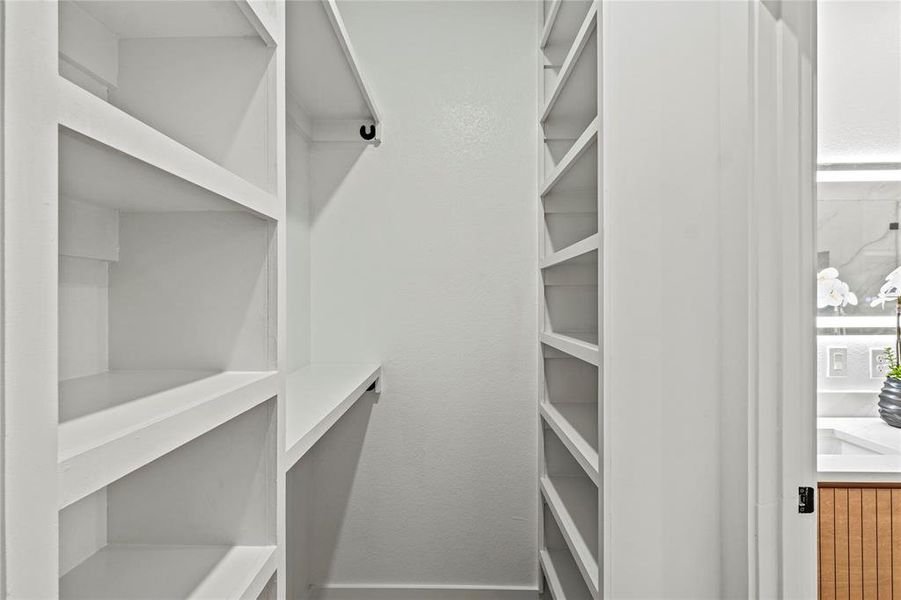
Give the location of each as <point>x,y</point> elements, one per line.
<point>805,499</point>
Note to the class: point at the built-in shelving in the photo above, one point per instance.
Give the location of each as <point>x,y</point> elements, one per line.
<point>112,158</point>
<point>576,253</point>
<point>561,24</point>
<point>572,89</point>
<point>328,99</point>
<point>584,349</point>
<point>569,64</point>
<point>317,396</point>
<point>562,575</point>
<point>261,19</point>
<point>576,424</point>
<point>579,149</point>
<point>570,267</point>
<point>168,266</point>
<point>138,572</point>
<point>328,96</point>
<point>120,421</point>
<point>573,503</point>
<point>198,72</point>
<point>196,522</point>
<point>552,9</point>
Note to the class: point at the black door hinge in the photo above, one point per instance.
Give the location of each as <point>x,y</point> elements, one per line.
<point>805,499</point>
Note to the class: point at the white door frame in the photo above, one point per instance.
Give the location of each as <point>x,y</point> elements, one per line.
<point>781,300</point>
<point>29,301</point>
<point>709,163</point>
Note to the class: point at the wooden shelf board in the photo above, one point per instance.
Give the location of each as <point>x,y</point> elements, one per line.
<point>576,424</point>
<point>575,253</point>
<point>110,158</point>
<point>587,28</point>
<point>324,76</point>
<point>145,572</point>
<point>579,148</point>
<point>316,397</point>
<point>573,346</point>
<point>123,420</point>
<point>562,575</point>
<point>573,502</point>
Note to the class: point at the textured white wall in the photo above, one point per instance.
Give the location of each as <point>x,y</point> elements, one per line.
<point>859,81</point>
<point>424,258</point>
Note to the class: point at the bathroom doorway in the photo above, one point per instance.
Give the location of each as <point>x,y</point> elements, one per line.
<point>858,258</point>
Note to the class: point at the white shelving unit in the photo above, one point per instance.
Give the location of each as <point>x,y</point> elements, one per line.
<point>125,572</point>
<point>168,530</point>
<point>318,395</point>
<point>153,170</point>
<point>575,423</point>
<point>573,346</point>
<point>328,97</point>
<point>329,106</point>
<point>571,268</point>
<point>156,177</point>
<point>562,575</point>
<point>114,423</point>
<point>572,500</point>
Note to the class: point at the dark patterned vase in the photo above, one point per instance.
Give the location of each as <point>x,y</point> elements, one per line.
<point>890,402</point>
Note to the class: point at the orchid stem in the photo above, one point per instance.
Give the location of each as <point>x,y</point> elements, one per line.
<point>897,331</point>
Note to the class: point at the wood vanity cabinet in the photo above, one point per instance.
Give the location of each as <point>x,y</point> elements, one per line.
<point>859,541</point>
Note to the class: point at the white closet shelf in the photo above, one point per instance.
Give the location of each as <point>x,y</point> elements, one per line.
<point>584,142</point>
<point>575,253</point>
<point>133,572</point>
<point>573,346</point>
<point>328,95</point>
<point>573,502</point>
<point>353,63</point>
<point>139,416</point>
<point>549,22</point>
<point>563,20</point>
<point>260,19</point>
<point>126,19</point>
<point>317,396</point>
<point>582,37</point>
<point>122,162</point>
<point>574,422</point>
<point>563,576</point>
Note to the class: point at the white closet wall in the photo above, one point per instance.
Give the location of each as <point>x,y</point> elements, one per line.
<point>423,254</point>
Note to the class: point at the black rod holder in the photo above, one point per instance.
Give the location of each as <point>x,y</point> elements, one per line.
<point>370,135</point>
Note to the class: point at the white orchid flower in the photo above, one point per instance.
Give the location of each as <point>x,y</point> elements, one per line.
<point>827,273</point>
<point>890,290</point>
<point>831,291</point>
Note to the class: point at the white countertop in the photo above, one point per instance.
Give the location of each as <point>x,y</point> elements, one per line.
<point>878,454</point>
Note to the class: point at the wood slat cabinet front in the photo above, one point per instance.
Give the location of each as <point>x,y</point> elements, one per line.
<point>859,541</point>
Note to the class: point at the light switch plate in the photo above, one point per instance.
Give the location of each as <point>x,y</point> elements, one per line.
<point>837,361</point>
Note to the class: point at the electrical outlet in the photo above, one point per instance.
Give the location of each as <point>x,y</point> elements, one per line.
<point>878,363</point>
<point>837,361</point>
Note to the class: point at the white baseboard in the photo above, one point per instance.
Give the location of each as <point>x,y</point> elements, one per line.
<point>431,592</point>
